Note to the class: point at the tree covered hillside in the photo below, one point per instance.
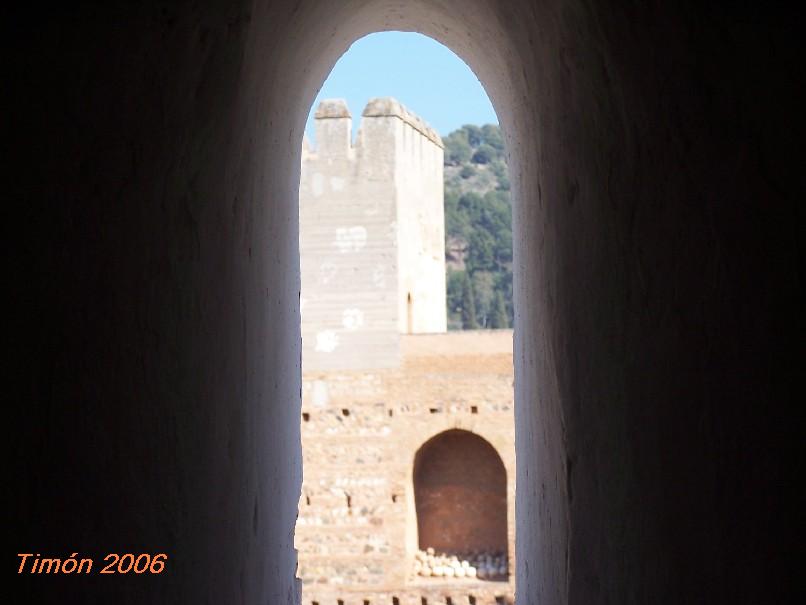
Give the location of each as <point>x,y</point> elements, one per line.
<point>478,229</point>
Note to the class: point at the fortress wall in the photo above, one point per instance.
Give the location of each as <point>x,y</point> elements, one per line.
<point>371,234</point>
<point>347,242</point>
<point>421,249</point>
<point>401,140</point>
<point>361,430</point>
<point>333,125</point>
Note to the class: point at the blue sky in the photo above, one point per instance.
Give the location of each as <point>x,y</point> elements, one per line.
<point>422,74</point>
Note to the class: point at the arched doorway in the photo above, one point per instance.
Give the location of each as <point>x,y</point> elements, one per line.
<point>460,492</point>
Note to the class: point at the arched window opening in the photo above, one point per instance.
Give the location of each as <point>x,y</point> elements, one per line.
<point>460,491</point>
<point>406,307</point>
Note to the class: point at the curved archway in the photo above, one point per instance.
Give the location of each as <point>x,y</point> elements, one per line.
<point>460,492</point>
<point>388,164</point>
<point>518,102</point>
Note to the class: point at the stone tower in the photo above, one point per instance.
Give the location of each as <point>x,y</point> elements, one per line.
<point>372,236</point>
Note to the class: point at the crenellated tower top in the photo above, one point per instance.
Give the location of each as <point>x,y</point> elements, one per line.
<point>333,124</point>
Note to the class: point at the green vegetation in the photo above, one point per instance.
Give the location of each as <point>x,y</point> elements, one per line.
<point>478,229</point>
<point>468,310</point>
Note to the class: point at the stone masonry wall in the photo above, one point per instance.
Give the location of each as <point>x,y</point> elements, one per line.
<point>371,236</point>
<point>361,430</point>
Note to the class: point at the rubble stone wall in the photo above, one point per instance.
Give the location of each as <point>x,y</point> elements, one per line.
<point>361,430</point>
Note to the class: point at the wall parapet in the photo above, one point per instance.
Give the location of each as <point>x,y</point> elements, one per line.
<point>390,107</point>
<point>332,108</point>
<point>333,125</point>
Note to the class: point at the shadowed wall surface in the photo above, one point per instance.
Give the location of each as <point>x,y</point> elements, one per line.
<point>460,487</point>
<point>655,160</point>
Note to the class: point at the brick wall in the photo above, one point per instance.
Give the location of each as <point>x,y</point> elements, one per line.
<point>357,532</point>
